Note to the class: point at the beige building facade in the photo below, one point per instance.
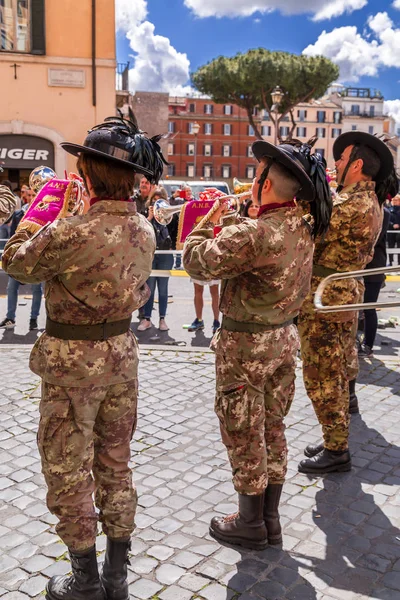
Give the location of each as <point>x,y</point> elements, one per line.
<point>57,68</point>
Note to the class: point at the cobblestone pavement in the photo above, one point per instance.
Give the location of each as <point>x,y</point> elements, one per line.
<point>340,535</point>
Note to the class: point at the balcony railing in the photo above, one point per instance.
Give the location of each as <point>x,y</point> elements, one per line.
<point>364,115</point>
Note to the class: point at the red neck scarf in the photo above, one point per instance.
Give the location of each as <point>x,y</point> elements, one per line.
<point>266,207</point>
<point>95,200</point>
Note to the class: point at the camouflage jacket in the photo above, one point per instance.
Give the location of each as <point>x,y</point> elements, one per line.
<point>265,265</point>
<point>348,245</point>
<point>7,203</point>
<point>95,267</point>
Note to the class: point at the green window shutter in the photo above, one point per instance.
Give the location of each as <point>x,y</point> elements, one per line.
<point>38,24</point>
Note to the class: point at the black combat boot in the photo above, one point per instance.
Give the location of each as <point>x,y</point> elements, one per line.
<point>327,461</point>
<point>271,515</point>
<point>83,584</point>
<point>115,571</point>
<point>245,528</point>
<point>313,449</point>
<point>353,400</point>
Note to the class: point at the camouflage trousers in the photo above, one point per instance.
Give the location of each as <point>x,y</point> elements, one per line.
<point>330,361</point>
<point>84,442</point>
<point>255,376</point>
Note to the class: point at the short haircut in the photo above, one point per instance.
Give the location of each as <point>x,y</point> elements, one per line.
<point>371,161</point>
<point>284,183</point>
<point>108,179</point>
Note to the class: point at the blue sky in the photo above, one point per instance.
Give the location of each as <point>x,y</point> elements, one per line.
<point>364,40</point>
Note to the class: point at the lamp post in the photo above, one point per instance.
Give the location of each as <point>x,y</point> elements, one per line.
<point>276,95</point>
<point>195,131</point>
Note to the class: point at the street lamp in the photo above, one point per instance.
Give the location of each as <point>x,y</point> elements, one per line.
<point>195,131</point>
<point>277,96</point>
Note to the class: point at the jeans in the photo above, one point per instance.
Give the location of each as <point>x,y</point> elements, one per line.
<point>12,298</point>
<point>371,294</point>
<point>161,262</point>
<point>4,235</point>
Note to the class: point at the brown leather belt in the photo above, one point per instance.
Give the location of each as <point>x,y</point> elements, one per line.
<point>92,333</point>
<point>242,327</point>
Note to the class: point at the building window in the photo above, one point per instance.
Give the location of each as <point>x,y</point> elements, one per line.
<point>192,107</point>
<point>250,172</point>
<point>171,127</point>
<point>207,150</point>
<point>301,132</point>
<point>208,128</point>
<point>207,171</point>
<point>227,129</point>
<point>171,170</point>
<point>284,132</point>
<point>208,109</point>
<point>190,149</point>
<point>190,127</point>
<point>371,129</point>
<point>170,149</point>
<point>372,111</point>
<point>265,115</point>
<point>250,152</point>
<point>321,152</point>
<point>320,132</point>
<point>321,116</point>
<point>266,130</point>
<point>226,171</point>
<point>354,127</point>
<point>228,109</point>
<point>337,116</point>
<point>189,170</point>
<point>336,132</point>
<point>250,130</point>
<point>302,115</point>
<point>226,150</point>
<point>15,23</point>
<point>355,109</point>
<point>255,112</point>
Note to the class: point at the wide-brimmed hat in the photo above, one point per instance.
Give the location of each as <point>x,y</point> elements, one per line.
<point>360,138</point>
<point>120,140</point>
<point>293,159</point>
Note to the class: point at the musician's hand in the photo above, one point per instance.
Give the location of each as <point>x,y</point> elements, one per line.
<point>220,212</point>
<point>151,213</point>
<point>396,226</point>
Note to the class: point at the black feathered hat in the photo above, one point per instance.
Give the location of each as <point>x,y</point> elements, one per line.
<point>292,158</point>
<point>360,138</point>
<point>120,140</point>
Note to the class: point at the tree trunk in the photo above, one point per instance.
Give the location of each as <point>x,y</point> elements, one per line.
<point>252,122</point>
<point>293,125</point>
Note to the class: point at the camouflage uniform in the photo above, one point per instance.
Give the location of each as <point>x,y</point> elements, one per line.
<point>95,268</point>
<point>328,347</point>
<point>7,203</point>
<point>265,266</point>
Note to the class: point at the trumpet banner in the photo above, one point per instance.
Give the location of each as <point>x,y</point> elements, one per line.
<point>54,201</point>
<point>191,214</point>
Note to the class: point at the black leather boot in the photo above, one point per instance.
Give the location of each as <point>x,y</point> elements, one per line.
<point>272,497</point>
<point>245,528</point>
<point>83,584</point>
<point>313,449</point>
<point>353,400</point>
<point>326,461</point>
<point>115,571</point>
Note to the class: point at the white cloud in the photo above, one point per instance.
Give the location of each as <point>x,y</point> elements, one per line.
<point>324,9</point>
<point>392,108</point>
<point>158,66</point>
<point>396,4</point>
<point>360,55</point>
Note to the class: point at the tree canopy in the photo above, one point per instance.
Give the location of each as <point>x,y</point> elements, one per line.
<point>248,80</point>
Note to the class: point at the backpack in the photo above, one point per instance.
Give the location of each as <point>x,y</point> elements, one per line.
<point>163,239</point>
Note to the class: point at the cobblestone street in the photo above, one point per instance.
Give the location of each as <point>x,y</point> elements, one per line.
<point>341,532</point>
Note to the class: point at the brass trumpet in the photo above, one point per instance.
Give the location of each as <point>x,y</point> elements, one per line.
<point>163,211</point>
<point>233,207</point>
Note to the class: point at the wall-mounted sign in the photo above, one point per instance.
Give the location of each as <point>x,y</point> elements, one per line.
<point>25,152</point>
<point>67,78</point>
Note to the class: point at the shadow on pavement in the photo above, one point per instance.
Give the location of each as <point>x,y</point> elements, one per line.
<point>10,337</point>
<point>355,547</point>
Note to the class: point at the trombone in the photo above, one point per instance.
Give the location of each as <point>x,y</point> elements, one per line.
<point>321,308</point>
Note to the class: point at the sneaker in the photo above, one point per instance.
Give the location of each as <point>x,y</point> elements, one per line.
<point>365,350</point>
<point>33,325</point>
<point>216,325</point>
<point>145,324</point>
<point>197,325</point>
<point>163,326</point>
<point>7,324</point>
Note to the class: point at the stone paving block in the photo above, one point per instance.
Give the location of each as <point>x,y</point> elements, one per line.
<point>168,574</point>
<point>34,586</point>
<point>215,591</point>
<point>12,579</point>
<point>145,589</point>
<point>194,583</point>
<point>37,563</point>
